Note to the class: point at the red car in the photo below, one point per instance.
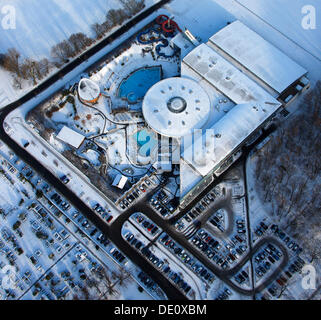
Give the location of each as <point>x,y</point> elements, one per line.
<point>167,243</point>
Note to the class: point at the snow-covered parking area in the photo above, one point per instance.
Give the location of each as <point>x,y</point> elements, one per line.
<point>155,254</point>
<point>45,252</point>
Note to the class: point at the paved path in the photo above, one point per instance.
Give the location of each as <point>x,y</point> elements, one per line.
<point>180,239</point>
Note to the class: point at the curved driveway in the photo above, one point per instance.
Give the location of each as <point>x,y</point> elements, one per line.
<point>179,238</point>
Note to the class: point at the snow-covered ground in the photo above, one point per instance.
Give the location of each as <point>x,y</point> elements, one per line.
<point>7,92</point>
<point>277,21</point>
<point>39,27</point>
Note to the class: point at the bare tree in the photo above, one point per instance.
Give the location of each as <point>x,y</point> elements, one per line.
<point>29,70</point>
<point>123,277</point>
<point>133,6</point>
<point>79,42</point>
<point>62,51</point>
<point>17,82</point>
<point>116,17</point>
<point>85,293</point>
<point>111,289</point>
<point>12,61</point>
<point>98,30</point>
<point>288,176</point>
<point>2,59</point>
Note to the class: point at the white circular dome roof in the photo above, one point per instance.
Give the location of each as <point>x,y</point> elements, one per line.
<point>175,106</point>
<point>88,90</point>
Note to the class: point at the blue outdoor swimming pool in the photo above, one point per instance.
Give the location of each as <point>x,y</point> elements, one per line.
<point>135,87</point>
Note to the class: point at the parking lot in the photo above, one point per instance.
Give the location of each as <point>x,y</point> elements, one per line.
<point>185,257</point>
<point>45,238</point>
<point>137,192</point>
<point>145,225</point>
<point>157,257</point>
<point>163,203</point>
<point>224,254</point>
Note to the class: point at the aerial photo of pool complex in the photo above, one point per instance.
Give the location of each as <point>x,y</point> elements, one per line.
<point>112,122</point>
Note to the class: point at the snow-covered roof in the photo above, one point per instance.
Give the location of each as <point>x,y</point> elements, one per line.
<point>227,135</point>
<point>120,181</point>
<point>71,137</point>
<point>258,56</point>
<point>189,178</point>
<point>88,90</point>
<point>224,76</point>
<point>183,43</point>
<point>175,106</point>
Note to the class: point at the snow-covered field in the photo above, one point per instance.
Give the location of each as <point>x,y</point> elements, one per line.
<point>39,27</point>
<point>7,92</point>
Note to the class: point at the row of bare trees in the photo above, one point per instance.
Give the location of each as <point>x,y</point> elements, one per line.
<point>27,69</point>
<point>36,70</point>
<point>116,17</point>
<point>288,173</point>
<point>70,48</point>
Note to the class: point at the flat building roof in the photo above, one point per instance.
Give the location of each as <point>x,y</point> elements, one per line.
<point>225,77</point>
<point>258,56</point>
<point>228,134</point>
<point>71,137</point>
